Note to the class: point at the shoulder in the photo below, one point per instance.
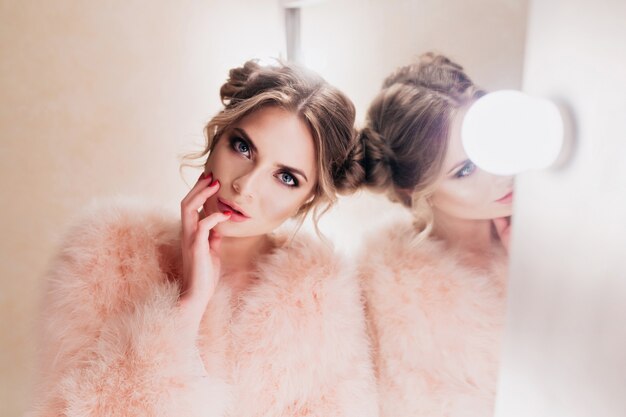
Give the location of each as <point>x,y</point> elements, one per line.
<point>434,320</point>
<point>396,249</point>
<point>394,265</point>
<point>114,249</point>
<point>117,224</point>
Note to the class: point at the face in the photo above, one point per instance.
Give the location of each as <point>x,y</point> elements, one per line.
<point>465,191</point>
<point>266,167</point>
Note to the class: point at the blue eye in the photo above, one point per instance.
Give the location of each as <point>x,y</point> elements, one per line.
<point>240,146</point>
<point>465,170</point>
<point>288,179</point>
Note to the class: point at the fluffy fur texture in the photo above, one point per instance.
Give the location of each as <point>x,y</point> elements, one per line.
<point>293,344</point>
<point>435,318</point>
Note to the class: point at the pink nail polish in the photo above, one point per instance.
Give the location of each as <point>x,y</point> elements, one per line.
<point>214,183</point>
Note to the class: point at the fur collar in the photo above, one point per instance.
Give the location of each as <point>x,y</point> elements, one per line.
<point>294,343</point>
<point>435,319</point>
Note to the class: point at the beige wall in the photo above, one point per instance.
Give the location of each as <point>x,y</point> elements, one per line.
<point>356,43</point>
<point>565,351</point>
<point>99,98</point>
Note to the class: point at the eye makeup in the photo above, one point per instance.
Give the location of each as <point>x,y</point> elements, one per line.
<point>467,169</point>
<point>241,143</point>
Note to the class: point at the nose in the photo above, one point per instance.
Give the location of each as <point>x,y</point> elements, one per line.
<point>243,184</point>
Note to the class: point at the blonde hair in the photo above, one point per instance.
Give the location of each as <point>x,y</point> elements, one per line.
<point>407,128</point>
<point>328,113</point>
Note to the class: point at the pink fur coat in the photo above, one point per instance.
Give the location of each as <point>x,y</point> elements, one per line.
<point>294,344</point>
<point>435,319</point>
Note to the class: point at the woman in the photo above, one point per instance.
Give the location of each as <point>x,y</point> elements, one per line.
<point>435,289</point>
<point>216,315</point>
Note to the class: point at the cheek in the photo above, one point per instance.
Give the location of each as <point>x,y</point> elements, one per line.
<point>462,198</point>
<point>279,206</point>
<point>473,197</point>
<point>217,161</point>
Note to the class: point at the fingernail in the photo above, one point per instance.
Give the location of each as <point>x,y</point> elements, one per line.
<point>228,212</point>
<point>215,182</point>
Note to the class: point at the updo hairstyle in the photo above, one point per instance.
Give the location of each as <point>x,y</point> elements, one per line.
<point>407,128</point>
<point>328,113</point>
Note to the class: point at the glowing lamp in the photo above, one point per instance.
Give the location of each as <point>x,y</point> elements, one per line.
<point>507,132</point>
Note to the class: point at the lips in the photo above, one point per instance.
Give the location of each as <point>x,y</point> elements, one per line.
<point>238,213</point>
<point>506,199</point>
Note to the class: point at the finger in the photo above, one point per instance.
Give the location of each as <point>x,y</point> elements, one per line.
<point>205,225</point>
<point>204,180</point>
<point>215,241</point>
<point>196,202</point>
<point>501,223</point>
<point>503,229</point>
<point>201,213</point>
<point>189,219</point>
<point>190,207</point>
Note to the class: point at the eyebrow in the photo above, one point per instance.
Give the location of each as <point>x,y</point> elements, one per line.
<point>254,148</point>
<point>460,164</point>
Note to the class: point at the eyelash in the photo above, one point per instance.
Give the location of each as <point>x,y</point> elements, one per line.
<point>293,178</point>
<point>236,142</point>
<point>467,169</point>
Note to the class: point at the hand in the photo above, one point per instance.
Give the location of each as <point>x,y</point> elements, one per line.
<point>502,227</point>
<point>200,252</point>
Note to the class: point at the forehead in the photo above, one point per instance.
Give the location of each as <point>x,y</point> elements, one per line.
<point>280,137</point>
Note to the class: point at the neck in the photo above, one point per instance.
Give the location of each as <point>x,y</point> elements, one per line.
<point>475,235</point>
<point>239,254</point>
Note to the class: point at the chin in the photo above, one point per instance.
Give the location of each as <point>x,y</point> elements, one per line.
<point>228,229</point>
<point>502,213</point>
<point>507,212</point>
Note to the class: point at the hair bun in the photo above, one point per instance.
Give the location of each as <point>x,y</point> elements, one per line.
<point>378,159</point>
<point>350,175</point>
<point>238,80</point>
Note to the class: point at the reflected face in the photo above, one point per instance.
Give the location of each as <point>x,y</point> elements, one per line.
<point>266,167</point>
<point>464,190</point>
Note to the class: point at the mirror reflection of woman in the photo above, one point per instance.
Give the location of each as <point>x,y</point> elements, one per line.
<point>435,288</point>
<point>216,315</point>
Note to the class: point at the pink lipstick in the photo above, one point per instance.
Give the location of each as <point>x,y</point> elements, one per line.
<point>506,199</point>
<point>238,214</point>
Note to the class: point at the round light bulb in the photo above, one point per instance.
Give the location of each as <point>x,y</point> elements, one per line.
<point>507,132</point>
